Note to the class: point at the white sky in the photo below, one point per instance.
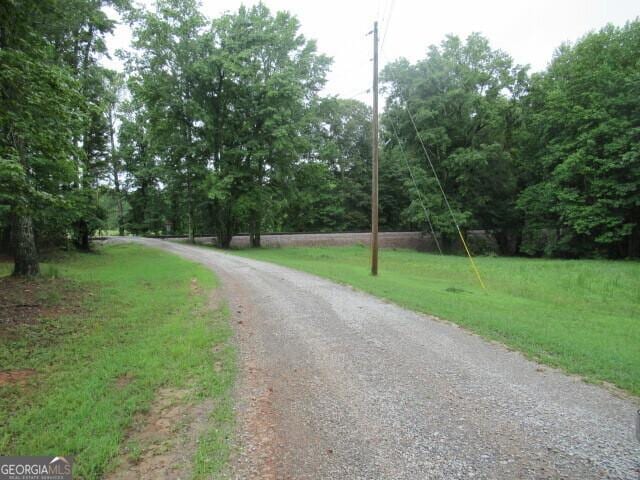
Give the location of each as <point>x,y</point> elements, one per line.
<point>529,31</point>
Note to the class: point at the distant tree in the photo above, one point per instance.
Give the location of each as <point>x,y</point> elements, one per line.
<point>581,148</point>
<point>264,79</point>
<point>313,201</point>
<point>143,182</point>
<point>463,97</point>
<point>345,147</point>
<point>166,72</point>
<point>114,89</point>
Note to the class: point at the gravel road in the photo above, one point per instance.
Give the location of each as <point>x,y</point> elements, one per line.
<point>335,383</point>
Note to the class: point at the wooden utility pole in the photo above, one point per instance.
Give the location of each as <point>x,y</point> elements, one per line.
<point>374,157</point>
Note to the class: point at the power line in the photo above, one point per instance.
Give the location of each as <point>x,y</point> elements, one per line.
<point>415,184</point>
<point>388,22</point>
<point>385,8</point>
<point>355,95</point>
<point>435,174</point>
<point>444,195</point>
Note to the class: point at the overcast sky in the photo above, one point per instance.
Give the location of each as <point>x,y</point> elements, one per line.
<point>529,31</point>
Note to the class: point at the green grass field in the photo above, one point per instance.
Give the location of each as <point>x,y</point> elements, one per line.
<point>580,315</point>
<point>144,318</point>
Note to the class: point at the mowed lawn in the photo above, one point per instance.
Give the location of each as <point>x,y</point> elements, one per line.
<point>580,315</point>
<point>140,322</point>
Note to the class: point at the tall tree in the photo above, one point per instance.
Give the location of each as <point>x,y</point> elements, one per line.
<point>582,148</point>
<point>39,105</point>
<point>265,77</point>
<point>463,99</point>
<point>166,71</point>
<point>144,171</point>
<point>115,165</point>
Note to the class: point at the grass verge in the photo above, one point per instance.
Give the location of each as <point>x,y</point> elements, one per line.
<point>144,323</point>
<point>579,315</point>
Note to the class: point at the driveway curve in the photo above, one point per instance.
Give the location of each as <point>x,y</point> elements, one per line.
<point>335,383</point>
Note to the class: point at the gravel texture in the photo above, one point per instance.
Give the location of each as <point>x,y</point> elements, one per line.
<point>335,383</point>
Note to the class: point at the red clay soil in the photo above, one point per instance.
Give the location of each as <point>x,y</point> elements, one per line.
<point>16,377</point>
<point>25,301</point>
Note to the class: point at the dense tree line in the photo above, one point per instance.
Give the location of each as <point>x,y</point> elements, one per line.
<point>53,137</point>
<point>548,163</point>
<point>220,127</point>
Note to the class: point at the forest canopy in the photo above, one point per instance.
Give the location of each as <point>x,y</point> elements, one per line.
<point>220,127</point>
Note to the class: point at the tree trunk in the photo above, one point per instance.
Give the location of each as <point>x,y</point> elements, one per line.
<point>116,172</point>
<point>24,247</point>
<point>120,208</point>
<point>5,239</point>
<point>120,220</point>
<point>192,238</point>
<point>254,233</point>
<point>224,239</point>
<point>507,242</point>
<point>447,242</point>
<point>224,233</point>
<point>225,224</point>
<point>633,245</point>
<point>255,239</point>
<point>82,239</point>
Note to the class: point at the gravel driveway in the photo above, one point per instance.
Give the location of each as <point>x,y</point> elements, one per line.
<point>335,383</point>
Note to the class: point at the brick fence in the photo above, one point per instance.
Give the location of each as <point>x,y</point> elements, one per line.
<point>412,240</point>
<point>478,240</point>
